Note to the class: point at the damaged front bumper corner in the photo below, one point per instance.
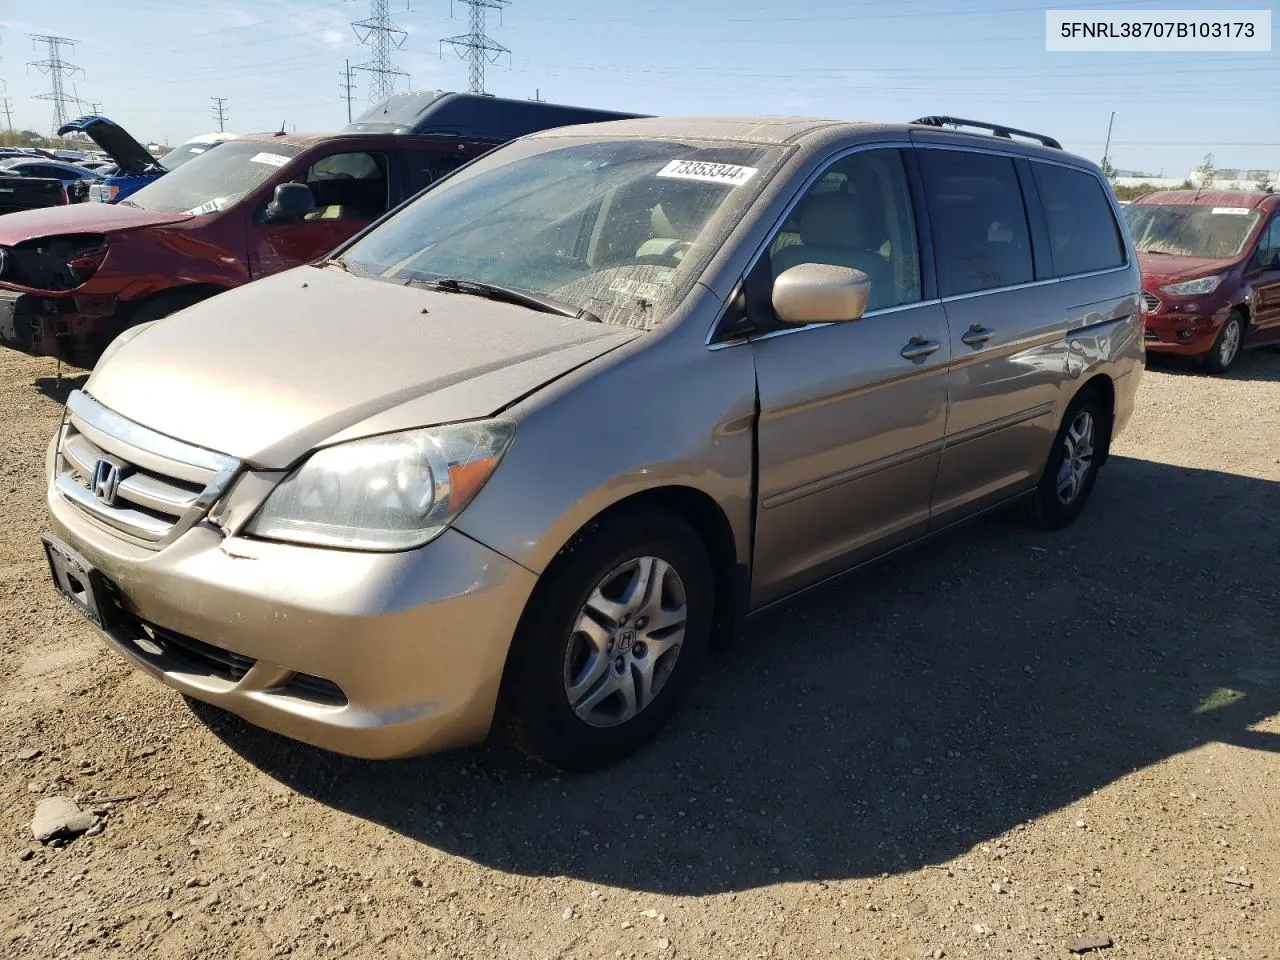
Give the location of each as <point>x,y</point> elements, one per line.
<point>52,325</point>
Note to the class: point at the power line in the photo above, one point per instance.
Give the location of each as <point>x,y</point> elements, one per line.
<point>348,87</point>
<point>58,70</point>
<point>384,36</point>
<point>219,111</point>
<point>475,46</point>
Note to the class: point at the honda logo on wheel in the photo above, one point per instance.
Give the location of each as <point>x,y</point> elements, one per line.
<point>106,480</point>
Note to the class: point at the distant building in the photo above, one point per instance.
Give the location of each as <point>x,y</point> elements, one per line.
<point>1224,178</point>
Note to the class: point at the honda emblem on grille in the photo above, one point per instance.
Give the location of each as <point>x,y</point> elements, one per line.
<point>106,480</point>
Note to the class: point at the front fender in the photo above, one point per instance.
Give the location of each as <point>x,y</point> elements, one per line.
<point>663,412</point>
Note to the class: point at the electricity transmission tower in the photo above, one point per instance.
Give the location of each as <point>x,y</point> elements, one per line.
<point>384,36</point>
<point>348,87</point>
<point>476,47</point>
<point>58,71</point>
<point>219,111</point>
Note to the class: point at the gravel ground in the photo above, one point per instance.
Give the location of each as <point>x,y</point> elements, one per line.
<point>989,747</point>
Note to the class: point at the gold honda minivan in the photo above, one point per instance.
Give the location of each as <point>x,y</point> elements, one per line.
<point>521,451</point>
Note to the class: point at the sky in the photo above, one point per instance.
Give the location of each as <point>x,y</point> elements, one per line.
<point>153,65</point>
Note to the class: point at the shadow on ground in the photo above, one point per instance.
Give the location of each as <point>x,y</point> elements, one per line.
<point>1262,364</point>
<point>896,718</point>
<point>59,388</point>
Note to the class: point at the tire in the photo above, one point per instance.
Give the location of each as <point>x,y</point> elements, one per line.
<point>1226,349</point>
<point>554,664</point>
<point>154,308</point>
<point>1063,492</point>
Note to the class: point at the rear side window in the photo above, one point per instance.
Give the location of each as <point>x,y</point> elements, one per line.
<point>1083,233</point>
<point>980,224</point>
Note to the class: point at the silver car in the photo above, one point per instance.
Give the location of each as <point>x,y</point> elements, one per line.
<point>526,448</point>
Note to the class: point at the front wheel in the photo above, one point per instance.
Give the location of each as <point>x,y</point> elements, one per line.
<point>611,640</point>
<point>1227,347</point>
<point>1069,475</point>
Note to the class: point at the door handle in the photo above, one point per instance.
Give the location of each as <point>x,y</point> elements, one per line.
<point>919,347</point>
<point>976,335</point>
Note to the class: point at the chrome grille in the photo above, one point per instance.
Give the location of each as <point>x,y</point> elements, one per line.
<point>144,485</point>
<point>1150,301</point>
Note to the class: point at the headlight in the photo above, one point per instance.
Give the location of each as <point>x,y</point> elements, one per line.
<point>391,492</point>
<point>1192,288</point>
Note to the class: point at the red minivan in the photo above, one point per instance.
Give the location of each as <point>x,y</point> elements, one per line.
<point>1210,271</point>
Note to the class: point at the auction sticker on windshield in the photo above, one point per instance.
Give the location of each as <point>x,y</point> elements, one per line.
<point>729,173</point>
<point>1233,211</point>
<point>275,159</point>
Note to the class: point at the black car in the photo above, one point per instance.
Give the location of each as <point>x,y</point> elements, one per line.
<point>68,173</point>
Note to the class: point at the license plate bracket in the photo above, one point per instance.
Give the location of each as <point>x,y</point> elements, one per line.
<point>79,582</point>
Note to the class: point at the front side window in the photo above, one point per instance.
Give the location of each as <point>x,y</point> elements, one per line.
<point>979,221</point>
<point>620,228</point>
<point>215,180</point>
<point>348,186</point>
<point>1191,230</point>
<point>857,214</point>
<point>1083,234</point>
<point>1268,246</point>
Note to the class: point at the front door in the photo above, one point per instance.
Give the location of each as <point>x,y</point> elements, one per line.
<point>350,191</point>
<point>851,414</point>
<point>1264,278</point>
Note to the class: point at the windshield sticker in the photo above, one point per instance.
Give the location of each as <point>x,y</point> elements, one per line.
<point>211,206</point>
<point>197,149</point>
<point>729,173</point>
<point>274,159</point>
<point>638,289</point>
<point>1233,211</point>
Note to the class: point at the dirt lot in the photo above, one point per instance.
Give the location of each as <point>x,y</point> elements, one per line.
<point>986,748</point>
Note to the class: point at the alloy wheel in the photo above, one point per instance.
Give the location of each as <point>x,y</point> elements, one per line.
<point>625,642</point>
<point>1230,344</point>
<point>1077,457</point>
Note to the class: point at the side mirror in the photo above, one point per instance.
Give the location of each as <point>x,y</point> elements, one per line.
<point>820,293</point>
<point>291,201</point>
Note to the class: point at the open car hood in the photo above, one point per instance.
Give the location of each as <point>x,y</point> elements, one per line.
<point>114,140</point>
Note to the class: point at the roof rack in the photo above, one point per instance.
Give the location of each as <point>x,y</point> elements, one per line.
<point>995,129</point>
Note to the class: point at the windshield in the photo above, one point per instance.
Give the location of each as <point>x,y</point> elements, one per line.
<point>1191,230</point>
<point>180,155</point>
<point>216,179</point>
<point>619,228</point>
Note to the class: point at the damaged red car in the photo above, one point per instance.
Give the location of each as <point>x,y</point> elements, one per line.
<point>72,278</point>
<point>1210,271</point>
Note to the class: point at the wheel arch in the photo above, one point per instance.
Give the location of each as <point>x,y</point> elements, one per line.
<point>711,524</point>
<point>185,293</point>
<point>1105,389</point>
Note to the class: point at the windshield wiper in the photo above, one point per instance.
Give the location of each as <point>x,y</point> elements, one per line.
<point>494,291</point>
<point>337,262</point>
<point>128,203</point>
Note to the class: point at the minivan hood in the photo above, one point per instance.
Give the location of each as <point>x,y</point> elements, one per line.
<point>1159,269</point>
<point>268,371</point>
<point>115,141</point>
<point>79,218</point>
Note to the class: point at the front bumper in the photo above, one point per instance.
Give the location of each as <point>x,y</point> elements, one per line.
<point>413,643</point>
<point>49,326</point>
<point>1178,329</point>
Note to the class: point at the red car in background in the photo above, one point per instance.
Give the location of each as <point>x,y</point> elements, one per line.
<point>72,278</point>
<point>1210,271</point>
